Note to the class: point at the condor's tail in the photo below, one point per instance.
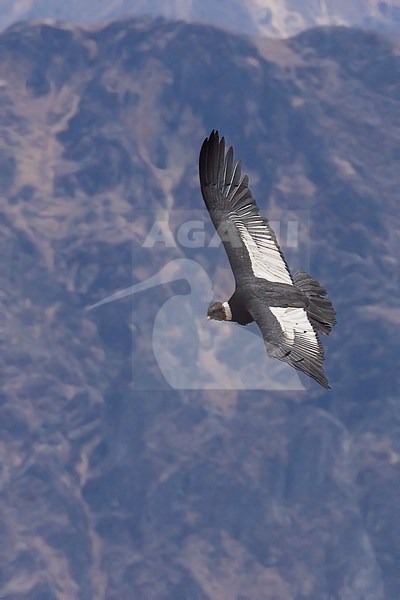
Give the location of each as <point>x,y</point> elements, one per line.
<point>320,310</point>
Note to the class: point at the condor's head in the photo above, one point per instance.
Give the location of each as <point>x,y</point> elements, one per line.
<point>219,311</point>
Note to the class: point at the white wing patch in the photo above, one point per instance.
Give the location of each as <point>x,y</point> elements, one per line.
<point>265,257</point>
<point>295,324</point>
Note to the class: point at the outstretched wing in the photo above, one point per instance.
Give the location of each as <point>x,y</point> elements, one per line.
<point>289,336</point>
<point>249,241</point>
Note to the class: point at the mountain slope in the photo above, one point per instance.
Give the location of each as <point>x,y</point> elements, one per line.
<point>114,484</point>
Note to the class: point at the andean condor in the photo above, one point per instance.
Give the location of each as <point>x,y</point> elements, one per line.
<point>289,310</point>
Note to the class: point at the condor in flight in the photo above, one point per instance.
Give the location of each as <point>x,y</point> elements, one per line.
<point>289,310</point>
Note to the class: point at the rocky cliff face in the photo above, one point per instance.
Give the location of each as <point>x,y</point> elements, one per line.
<point>114,484</point>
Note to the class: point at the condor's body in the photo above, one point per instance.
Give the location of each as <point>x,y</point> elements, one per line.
<point>289,310</point>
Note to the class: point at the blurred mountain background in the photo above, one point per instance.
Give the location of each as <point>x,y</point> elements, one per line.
<point>249,17</point>
<point>110,491</point>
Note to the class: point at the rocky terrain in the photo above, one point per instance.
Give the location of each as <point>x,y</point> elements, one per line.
<point>114,483</point>
<point>250,17</point>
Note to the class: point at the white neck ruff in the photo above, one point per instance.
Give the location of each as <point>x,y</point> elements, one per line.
<point>227,311</point>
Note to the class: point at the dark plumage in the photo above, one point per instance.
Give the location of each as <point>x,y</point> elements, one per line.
<point>290,311</point>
